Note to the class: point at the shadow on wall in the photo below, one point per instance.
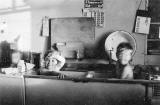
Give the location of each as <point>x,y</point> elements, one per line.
<point>100,48</point>
<point>5,59</point>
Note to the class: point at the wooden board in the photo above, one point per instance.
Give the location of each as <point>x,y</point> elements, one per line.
<point>78,33</point>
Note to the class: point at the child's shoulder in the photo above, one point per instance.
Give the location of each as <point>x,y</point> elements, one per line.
<point>129,67</point>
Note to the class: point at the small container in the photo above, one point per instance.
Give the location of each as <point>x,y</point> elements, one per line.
<point>159,33</point>
<point>42,62</point>
<point>21,66</point>
<point>90,74</point>
<point>78,54</point>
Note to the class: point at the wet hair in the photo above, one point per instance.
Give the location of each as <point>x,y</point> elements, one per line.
<point>123,46</point>
<point>46,53</point>
<point>54,46</point>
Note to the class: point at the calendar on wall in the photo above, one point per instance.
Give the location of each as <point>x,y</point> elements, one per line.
<point>142,25</point>
<point>97,14</point>
<point>93,3</point>
<point>142,22</point>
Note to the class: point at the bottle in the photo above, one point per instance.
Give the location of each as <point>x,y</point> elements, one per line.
<point>21,66</point>
<point>78,54</point>
<point>42,62</point>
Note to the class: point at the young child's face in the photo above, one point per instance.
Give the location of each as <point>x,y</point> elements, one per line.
<point>50,63</point>
<point>125,56</point>
<point>16,57</point>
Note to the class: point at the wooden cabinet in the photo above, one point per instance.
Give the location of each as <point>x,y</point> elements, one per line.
<point>153,39</point>
<point>153,46</point>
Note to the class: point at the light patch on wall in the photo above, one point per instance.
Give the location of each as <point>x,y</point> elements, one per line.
<point>9,5</point>
<point>48,3</point>
<point>21,4</point>
<point>3,27</point>
<point>5,4</point>
<point>18,24</point>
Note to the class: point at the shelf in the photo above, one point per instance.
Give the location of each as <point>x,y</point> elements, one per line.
<point>153,52</point>
<point>155,23</point>
<point>153,39</point>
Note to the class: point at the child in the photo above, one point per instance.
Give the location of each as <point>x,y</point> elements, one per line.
<point>124,69</point>
<point>53,61</point>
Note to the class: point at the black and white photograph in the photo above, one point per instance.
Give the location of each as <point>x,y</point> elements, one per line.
<point>79,52</point>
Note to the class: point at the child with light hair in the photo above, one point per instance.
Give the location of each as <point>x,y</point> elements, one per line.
<point>53,62</point>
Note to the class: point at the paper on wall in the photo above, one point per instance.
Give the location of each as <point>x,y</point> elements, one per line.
<point>142,24</point>
<point>45,26</point>
<point>97,14</point>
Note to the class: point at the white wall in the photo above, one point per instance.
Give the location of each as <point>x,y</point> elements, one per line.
<point>17,24</point>
<point>119,15</point>
<point>72,8</point>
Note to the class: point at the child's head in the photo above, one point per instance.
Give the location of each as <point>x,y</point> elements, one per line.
<point>124,53</point>
<point>50,60</point>
<point>54,46</point>
<point>16,57</point>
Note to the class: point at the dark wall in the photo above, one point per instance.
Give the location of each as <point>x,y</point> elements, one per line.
<point>5,58</point>
<point>77,34</point>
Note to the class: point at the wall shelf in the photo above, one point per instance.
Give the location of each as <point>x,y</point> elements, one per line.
<point>155,23</point>
<point>153,39</point>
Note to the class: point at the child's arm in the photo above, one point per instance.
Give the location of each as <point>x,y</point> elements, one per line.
<point>60,58</point>
<point>60,64</point>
